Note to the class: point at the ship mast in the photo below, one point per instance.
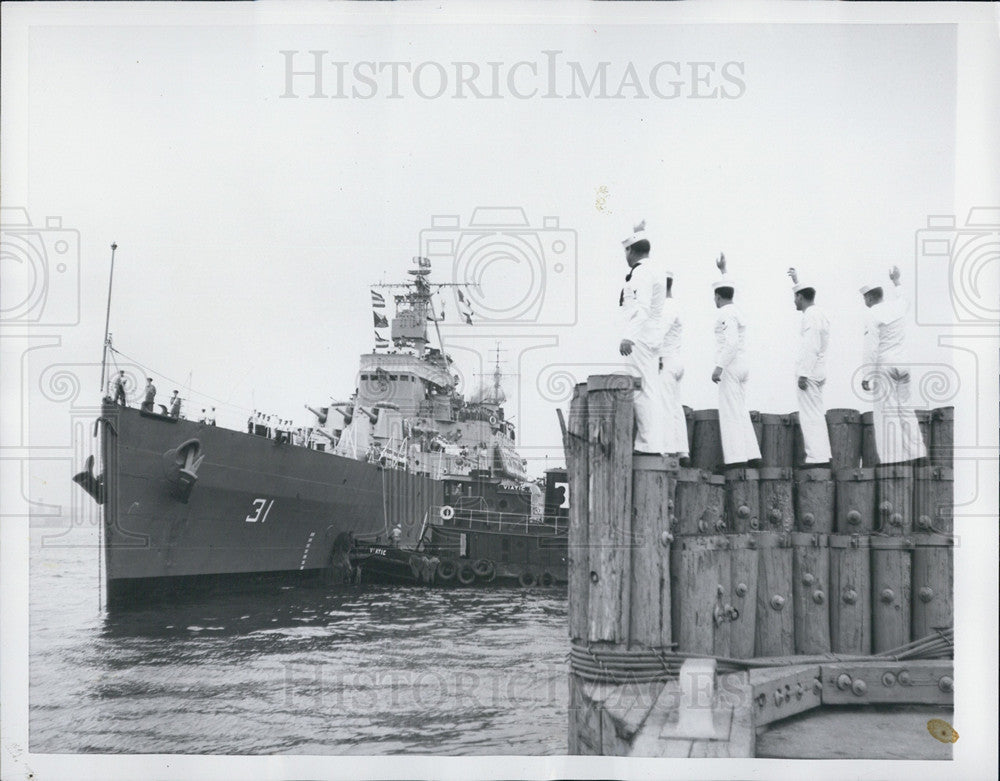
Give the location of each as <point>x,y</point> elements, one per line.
<point>414,308</point>
<point>107,318</point>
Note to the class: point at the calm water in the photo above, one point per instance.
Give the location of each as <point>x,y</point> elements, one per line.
<point>368,670</point>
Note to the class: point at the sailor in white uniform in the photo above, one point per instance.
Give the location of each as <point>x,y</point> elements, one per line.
<point>897,432</point>
<point>810,370</point>
<point>671,373</point>
<point>739,442</point>
<point>642,309</point>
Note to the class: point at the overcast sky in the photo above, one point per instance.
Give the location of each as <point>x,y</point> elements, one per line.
<point>251,222</point>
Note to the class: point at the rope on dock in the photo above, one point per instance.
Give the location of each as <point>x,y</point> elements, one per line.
<point>650,665</point>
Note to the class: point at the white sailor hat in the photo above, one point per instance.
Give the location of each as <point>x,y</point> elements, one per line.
<point>638,234</point>
<point>725,281</point>
<point>865,289</point>
<point>668,273</point>
<point>798,288</point>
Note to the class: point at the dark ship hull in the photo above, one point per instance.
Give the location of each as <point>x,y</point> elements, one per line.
<point>189,506</point>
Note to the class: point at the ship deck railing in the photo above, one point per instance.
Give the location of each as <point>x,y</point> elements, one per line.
<point>498,521</point>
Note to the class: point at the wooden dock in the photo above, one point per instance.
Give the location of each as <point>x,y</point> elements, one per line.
<point>748,612</point>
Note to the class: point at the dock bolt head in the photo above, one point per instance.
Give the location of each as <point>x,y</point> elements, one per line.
<point>761,700</point>
<point>926,594</point>
<point>754,524</point>
<point>896,519</point>
<point>924,522</point>
<point>946,684</point>
<point>807,579</point>
<point>719,590</point>
<point>817,686</point>
<point>774,516</point>
<point>859,687</point>
<point>808,519</point>
<point>887,595</point>
<point>850,596</point>
<point>903,677</point>
<point>720,525</point>
<point>843,681</point>
<point>819,597</point>
<point>593,577</point>
<point>799,690</point>
<point>777,602</point>
<point>741,589</point>
<point>885,507</point>
<point>703,526</point>
<point>888,679</point>
<point>854,518</point>
<point>743,511</point>
<point>779,697</point>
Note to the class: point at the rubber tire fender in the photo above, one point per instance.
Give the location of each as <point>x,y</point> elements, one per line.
<point>485,570</point>
<point>466,573</point>
<point>447,570</point>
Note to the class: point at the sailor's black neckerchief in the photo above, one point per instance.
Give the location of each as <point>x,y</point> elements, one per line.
<point>628,278</point>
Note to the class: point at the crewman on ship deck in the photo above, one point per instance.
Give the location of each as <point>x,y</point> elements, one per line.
<point>149,395</point>
<point>175,405</point>
<point>120,389</point>
<point>810,371</point>
<point>641,301</point>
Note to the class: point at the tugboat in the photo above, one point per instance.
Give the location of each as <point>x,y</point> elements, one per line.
<point>188,505</point>
<point>495,525</point>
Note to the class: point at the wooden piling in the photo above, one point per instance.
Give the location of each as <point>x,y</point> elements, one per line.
<point>811,592</point>
<point>706,447</point>
<point>610,421</point>
<point>775,630</point>
<point>869,453</point>
<point>891,583</point>
<point>777,510</point>
<point>777,444</point>
<point>699,504</point>
<point>701,575</point>
<point>934,499</point>
<point>654,483</point>
<point>742,500</point>
<point>855,504</point>
<point>895,499</point>
<point>815,499</point>
<point>798,441</point>
<point>844,427</point>
<point>578,477</point>
<point>850,594</point>
<point>933,577</point>
<point>744,558</point>
<point>942,447</point>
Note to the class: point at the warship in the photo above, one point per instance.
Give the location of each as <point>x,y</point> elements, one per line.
<point>189,505</point>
